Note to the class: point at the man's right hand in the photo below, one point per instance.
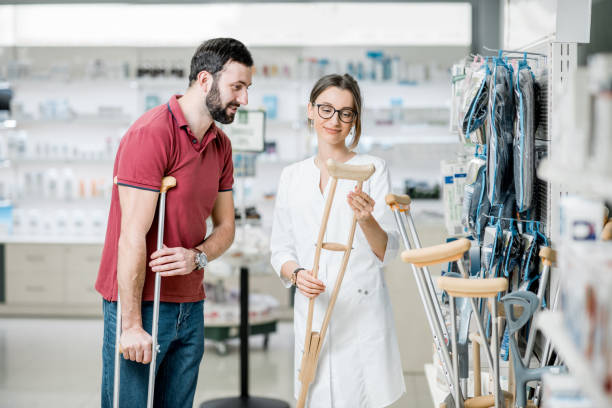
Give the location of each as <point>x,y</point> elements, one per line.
<point>136,345</point>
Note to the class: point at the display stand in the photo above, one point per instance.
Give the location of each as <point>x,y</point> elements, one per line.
<point>245,167</point>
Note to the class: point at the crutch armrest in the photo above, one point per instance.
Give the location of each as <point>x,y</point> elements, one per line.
<point>350,171</point>
<point>394,200</point>
<point>548,255</point>
<point>472,288</point>
<point>449,252</point>
<point>606,234</point>
<point>167,183</point>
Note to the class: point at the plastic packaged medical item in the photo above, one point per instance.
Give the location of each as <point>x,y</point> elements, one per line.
<point>475,107</point>
<point>581,219</point>
<point>499,144</point>
<point>452,211</point>
<point>475,202</point>
<point>524,138</point>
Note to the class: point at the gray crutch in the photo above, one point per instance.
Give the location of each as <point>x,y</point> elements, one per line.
<point>167,184</point>
<point>400,204</point>
<point>548,257</point>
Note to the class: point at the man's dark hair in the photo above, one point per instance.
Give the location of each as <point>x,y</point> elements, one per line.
<point>213,54</point>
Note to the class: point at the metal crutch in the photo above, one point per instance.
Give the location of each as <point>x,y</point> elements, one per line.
<point>400,204</point>
<point>314,340</point>
<point>167,184</point>
<point>471,288</point>
<point>530,304</point>
<point>548,257</point>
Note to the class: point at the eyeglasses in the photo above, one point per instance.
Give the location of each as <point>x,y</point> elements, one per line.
<point>345,115</point>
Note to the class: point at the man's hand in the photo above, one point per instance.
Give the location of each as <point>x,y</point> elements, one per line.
<point>173,261</point>
<point>136,345</point>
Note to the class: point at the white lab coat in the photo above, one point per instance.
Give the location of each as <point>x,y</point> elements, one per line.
<point>359,364</point>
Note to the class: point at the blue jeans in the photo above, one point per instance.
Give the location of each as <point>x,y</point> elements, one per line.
<point>181,343</point>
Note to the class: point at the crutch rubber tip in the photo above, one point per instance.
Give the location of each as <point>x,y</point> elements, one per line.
<point>606,234</point>
<point>167,184</point>
<point>393,200</point>
<point>548,255</point>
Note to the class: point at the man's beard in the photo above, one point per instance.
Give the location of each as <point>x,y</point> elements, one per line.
<point>216,109</point>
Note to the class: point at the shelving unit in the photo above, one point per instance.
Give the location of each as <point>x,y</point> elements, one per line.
<point>583,181</point>
<point>551,324</point>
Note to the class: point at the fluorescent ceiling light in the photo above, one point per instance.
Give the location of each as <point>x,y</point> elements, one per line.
<point>259,24</point>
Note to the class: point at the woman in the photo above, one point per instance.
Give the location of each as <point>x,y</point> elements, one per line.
<point>359,363</point>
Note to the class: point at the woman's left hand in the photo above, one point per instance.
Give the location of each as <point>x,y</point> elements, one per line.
<point>361,203</point>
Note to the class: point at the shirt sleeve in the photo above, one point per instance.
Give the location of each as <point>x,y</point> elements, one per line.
<point>282,241</point>
<point>143,159</point>
<point>226,181</point>
<point>381,186</point>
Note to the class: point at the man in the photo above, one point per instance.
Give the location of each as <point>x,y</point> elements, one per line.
<point>176,139</point>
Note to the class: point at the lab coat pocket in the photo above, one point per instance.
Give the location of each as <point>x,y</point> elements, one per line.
<point>372,314</point>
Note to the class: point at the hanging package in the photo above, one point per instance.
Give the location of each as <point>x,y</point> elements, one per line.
<point>524,137</point>
<point>475,203</point>
<point>499,143</point>
<point>475,107</point>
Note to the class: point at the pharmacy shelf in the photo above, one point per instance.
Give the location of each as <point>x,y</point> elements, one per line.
<point>58,160</point>
<point>551,324</point>
<point>84,310</point>
<point>438,395</point>
<point>579,181</point>
<point>52,239</point>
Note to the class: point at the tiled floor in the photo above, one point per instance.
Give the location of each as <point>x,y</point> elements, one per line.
<point>56,363</point>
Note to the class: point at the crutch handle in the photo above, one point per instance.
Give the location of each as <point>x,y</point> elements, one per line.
<point>548,255</point>
<point>472,288</point>
<point>350,171</point>
<point>606,234</point>
<point>167,183</point>
<point>395,200</point>
<point>437,254</point>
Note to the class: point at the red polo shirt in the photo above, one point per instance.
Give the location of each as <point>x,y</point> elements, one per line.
<point>160,144</point>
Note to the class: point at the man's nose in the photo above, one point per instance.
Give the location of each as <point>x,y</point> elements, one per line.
<point>243,99</point>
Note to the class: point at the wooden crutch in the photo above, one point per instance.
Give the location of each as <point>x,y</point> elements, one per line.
<point>314,340</point>
<point>167,184</point>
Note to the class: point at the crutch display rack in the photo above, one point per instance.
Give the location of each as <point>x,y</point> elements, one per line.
<point>167,184</point>
<point>314,340</point>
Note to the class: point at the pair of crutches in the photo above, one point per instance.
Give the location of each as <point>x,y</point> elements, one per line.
<point>314,340</point>
<point>167,184</point>
<point>471,289</point>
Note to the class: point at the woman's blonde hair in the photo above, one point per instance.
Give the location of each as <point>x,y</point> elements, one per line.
<point>343,82</point>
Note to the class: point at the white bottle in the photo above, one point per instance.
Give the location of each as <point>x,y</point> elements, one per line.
<point>51,184</point>
<point>69,190</point>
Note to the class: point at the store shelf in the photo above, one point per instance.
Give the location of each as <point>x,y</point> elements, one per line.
<point>551,324</point>
<point>58,160</point>
<point>579,181</point>
<point>85,310</point>
<point>52,239</point>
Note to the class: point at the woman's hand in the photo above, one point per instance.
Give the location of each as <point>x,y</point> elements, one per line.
<point>173,261</point>
<point>308,284</point>
<point>361,203</point>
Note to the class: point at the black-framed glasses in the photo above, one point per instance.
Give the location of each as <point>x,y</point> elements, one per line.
<point>345,115</point>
